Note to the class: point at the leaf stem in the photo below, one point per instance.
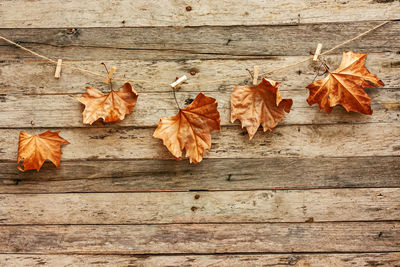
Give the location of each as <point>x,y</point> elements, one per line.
<point>176,101</point>
<point>323,63</point>
<point>319,68</point>
<point>251,75</point>
<point>102,63</point>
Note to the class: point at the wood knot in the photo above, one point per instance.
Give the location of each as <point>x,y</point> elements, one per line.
<point>292,260</point>
<point>188,8</point>
<point>197,196</point>
<point>194,208</point>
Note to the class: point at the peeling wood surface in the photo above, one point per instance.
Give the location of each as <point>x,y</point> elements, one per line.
<point>320,190</point>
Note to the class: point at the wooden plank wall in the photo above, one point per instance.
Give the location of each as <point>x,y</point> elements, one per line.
<point>320,190</point>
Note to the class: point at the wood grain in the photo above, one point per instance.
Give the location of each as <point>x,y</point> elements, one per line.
<point>341,140</point>
<point>276,260</point>
<point>202,238</point>
<point>210,174</point>
<point>202,207</point>
<point>74,13</point>
<point>206,42</point>
<point>38,77</point>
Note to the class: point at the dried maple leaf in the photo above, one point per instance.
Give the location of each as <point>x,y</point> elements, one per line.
<point>260,104</point>
<point>110,107</point>
<point>35,149</point>
<point>190,128</point>
<point>345,86</point>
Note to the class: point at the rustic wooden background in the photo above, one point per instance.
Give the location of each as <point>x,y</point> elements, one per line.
<point>320,190</point>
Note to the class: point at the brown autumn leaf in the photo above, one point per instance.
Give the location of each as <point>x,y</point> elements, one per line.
<point>190,128</point>
<point>109,107</point>
<point>345,86</point>
<point>260,104</point>
<point>35,149</point>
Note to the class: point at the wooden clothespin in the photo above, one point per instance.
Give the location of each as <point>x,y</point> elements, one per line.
<point>317,52</point>
<point>255,75</point>
<point>110,75</point>
<point>179,81</point>
<point>57,74</point>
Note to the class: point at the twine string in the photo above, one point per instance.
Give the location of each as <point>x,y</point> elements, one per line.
<point>194,83</point>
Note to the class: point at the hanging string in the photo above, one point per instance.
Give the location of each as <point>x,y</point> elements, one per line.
<point>330,50</point>
<point>358,36</point>
<point>49,59</point>
<point>195,83</point>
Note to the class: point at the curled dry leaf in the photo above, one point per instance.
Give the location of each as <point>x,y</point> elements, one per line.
<point>109,107</point>
<point>35,149</point>
<point>260,104</point>
<point>190,128</point>
<point>345,86</point>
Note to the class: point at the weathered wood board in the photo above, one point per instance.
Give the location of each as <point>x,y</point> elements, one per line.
<point>315,259</point>
<point>226,174</point>
<point>155,76</point>
<point>202,238</point>
<point>319,190</point>
<point>321,205</point>
<point>124,13</point>
<point>205,42</point>
<point>338,140</point>
<point>65,111</point>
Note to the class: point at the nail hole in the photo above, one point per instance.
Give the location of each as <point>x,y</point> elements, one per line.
<point>71,31</point>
